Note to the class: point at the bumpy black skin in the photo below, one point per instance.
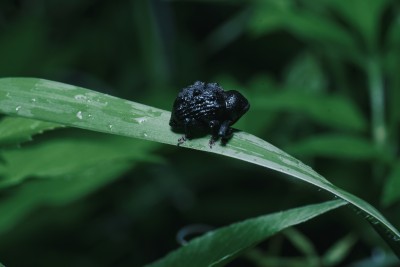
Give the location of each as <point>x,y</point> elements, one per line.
<point>203,108</point>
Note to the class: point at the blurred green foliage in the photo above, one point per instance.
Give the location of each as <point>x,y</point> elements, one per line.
<point>322,78</point>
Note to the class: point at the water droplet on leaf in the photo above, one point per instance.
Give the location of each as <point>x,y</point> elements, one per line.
<point>80,97</point>
<point>79,115</point>
<point>140,120</point>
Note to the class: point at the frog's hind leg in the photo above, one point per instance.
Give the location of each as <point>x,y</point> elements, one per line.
<point>188,125</point>
<point>212,141</point>
<point>214,126</point>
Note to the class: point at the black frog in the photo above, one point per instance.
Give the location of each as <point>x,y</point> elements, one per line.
<point>205,108</point>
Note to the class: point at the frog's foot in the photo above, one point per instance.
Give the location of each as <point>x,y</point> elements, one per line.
<point>181,140</point>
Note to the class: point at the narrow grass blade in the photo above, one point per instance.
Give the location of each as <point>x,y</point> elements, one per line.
<point>219,247</point>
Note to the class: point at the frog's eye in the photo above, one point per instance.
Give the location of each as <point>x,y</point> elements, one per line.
<point>236,101</point>
<point>236,104</point>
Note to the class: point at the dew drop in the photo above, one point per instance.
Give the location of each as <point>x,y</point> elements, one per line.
<point>33,100</point>
<point>140,120</point>
<point>80,97</point>
<point>17,108</point>
<point>110,126</point>
<point>145,134</point>
<point>79,115</point>
<point>8,95</point>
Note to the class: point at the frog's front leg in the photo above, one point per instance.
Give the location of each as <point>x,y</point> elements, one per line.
<point>214,126</point>
<point>225,131</point>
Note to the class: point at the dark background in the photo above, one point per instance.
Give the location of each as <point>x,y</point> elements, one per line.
<point>302,64</point>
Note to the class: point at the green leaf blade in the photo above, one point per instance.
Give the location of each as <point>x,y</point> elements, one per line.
<point>56,191</point>
<point>82,108</point>
<point>223,245</point>
<point>60,157</point>
<point>15,130</point>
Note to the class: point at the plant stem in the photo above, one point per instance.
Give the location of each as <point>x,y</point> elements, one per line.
<point>377,98</point>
